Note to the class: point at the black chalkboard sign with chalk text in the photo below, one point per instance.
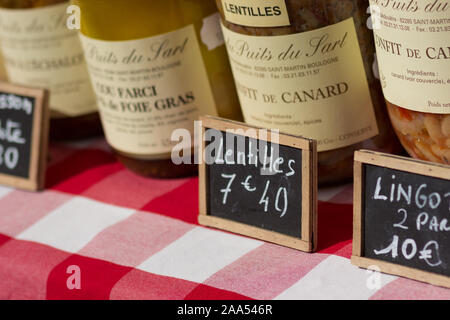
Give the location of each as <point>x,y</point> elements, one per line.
<point>258,183</point>
<point>402,217</point>
<point>23,136</point>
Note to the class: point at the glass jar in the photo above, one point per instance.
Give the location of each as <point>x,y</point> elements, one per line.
<point>414,59</point>
<point>39,50</point>
<point>156,66</point>
<point>306,67</point>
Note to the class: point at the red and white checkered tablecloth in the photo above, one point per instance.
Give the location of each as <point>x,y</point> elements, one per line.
<point>137,238</point>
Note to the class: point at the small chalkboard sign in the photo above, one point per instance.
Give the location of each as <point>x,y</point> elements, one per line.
<point>259,183</point>
<point>24,125</point>
<point>402,217</point>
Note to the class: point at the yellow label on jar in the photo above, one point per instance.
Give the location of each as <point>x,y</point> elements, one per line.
<point>413,49</point>
<point>147,88</point>
<point>311,84</point>
<point>39,50</point>
<point>256,13</point>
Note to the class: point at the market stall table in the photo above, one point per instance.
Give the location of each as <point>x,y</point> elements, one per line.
<point>136,238</point>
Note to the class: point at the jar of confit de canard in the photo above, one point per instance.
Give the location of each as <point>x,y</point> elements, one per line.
<point>306,67</point>
<point>155,67</point>
<point>40,50</point>
<point>413,46</point>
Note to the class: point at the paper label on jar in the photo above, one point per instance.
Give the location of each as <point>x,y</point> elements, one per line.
<point>413,48</point>
<point>211,33</point>
<point>148,88</point>
<point>256,13</point>
<point>39,50</point>
<point>311,84</point>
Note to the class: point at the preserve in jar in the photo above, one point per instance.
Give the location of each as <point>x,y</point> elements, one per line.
<point>306,67</point>
<point>39,50</point>
<point>155,67</point>
<point>413,48</point>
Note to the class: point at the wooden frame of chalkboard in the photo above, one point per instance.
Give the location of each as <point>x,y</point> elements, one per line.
<point>38,144</point>
<point>365,158</point>
<point>308,240</point>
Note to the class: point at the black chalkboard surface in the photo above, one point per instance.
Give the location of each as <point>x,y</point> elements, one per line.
<point>404,215</point>
<point>23,136</point>
<point>258,183</point>
<point>16,124</point>
<point>242,193</point>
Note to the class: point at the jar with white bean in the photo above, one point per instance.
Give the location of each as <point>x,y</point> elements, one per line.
<point>425,136</point>
<point>414,66</point>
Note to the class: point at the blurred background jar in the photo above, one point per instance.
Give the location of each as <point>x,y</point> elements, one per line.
<point>39,50</point>
<point>414,59</point>
<point>307,67</point>
<point>155,67</point>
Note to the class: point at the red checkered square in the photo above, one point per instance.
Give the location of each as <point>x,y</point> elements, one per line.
<point>135,239</point>
<point>143,190</point>
<point>22,209</point>
<point>96,278</point>
<point>25,267</point>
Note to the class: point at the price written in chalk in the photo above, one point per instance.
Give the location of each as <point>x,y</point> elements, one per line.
<point>402,216</point>
<point>263,156</point>
<point>421,220</point>
<point>18,113</point>
<point>24,125</point>
<point>281,201</point>
<point>257,183</point>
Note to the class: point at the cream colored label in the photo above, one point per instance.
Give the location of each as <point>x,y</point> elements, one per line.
<point>311,84</point>
<point>40,51</point>
<point>256,13</point>
<point>147,88</point>
<point>413,48</point>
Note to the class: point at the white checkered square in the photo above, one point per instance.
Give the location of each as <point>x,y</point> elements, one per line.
<point>199,254</point>
<point>74,224</point>
<point>4,191</point>
<point>336,278</point>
